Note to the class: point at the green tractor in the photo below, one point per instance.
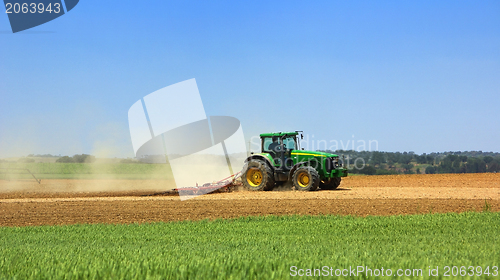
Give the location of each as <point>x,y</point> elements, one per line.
<point>281,160</point>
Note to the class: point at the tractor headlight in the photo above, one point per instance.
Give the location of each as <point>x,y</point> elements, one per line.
<point>336,163</point>
<point>332,164</point>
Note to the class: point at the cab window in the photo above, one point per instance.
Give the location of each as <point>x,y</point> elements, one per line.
<point>267,141</point>
<point>289,143</point>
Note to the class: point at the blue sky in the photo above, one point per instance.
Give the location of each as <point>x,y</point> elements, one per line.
<point>414,76</point>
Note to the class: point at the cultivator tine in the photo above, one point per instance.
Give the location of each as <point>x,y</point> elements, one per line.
<point>39,181</point>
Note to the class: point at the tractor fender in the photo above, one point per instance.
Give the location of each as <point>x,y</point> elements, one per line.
<point>297,165</point>
<point>262,158</point>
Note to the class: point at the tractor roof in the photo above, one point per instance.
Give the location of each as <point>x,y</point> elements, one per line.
<point>279,134</point>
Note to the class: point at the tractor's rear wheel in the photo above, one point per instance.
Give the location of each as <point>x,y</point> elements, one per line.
<point>331,184</point>
<point>306,178</point>
<point>258,176</point>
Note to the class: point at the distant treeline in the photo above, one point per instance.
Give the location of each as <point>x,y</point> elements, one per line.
<point>368,162</point>
<point>83,158</point>
<point>44,155</point>
<point>382,163</point>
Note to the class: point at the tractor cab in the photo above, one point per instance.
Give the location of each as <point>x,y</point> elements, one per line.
<point>280,146</point>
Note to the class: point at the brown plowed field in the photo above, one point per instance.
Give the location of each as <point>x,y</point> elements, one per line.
<point>27,203</point>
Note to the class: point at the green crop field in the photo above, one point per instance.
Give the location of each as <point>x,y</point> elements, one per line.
<point>54,170</point>
<point>255,247</point>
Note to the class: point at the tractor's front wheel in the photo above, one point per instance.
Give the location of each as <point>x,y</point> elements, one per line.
<point>306,178</point>
<point>258,176</point>
<point>331,184</point>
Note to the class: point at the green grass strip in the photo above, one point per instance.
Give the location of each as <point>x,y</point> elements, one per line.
<point>252,247</point>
